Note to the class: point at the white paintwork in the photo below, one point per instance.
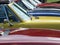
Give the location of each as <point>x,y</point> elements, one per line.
<point>27,39</point>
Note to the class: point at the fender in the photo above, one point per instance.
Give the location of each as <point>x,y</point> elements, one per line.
<point>49,5</point>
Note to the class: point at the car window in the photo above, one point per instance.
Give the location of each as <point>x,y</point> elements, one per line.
<point>23,10</point>
<point>2,14</point>
<point>22,15</point>
<point>12,16</point>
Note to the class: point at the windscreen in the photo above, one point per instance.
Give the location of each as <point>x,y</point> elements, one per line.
<point>22,15</point>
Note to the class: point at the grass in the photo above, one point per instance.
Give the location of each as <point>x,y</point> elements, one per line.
<point>52,0</point>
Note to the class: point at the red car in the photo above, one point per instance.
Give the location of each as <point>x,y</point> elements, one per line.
<point>49,5</point>
<point>26,36</point>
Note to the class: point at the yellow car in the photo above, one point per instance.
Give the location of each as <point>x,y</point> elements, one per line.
<point>26,21</point>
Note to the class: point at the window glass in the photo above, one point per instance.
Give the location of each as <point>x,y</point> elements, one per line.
<point>2,14</point>
<point>23,16</point>
<point>11,15</point>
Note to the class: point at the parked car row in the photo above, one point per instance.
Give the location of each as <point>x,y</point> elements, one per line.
<point>29,22</point>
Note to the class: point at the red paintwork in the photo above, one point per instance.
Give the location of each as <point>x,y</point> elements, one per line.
<point>28,44</point>
<point>49,5</point>
<point>28,36</point>
<point>38,32</point>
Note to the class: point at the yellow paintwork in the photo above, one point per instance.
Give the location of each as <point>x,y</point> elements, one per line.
<point>34,25</point>
<point>42,22</point>
<point>38,23</point>
<point>46,22</point>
